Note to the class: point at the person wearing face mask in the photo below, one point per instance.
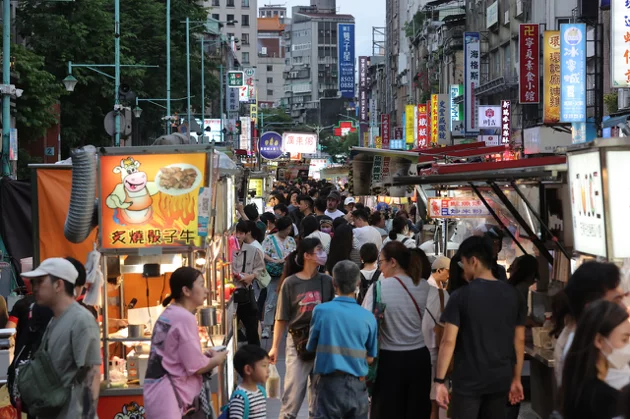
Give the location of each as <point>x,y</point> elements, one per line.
<point>400,233</point>
<point>299,296</point>
<point>601,341</point>
<point>309,228</point>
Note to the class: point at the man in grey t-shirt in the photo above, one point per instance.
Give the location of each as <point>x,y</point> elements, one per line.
<point>71,338</point>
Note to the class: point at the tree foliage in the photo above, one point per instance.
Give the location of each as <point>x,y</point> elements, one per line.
<point>83,32</point>
<point>339,147</point>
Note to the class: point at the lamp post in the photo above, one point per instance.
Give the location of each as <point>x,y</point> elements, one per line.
<point>6,81</point>
<point>116,72</point>
<point>168,63</point>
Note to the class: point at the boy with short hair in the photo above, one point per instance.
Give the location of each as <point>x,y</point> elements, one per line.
<point>249,400</point>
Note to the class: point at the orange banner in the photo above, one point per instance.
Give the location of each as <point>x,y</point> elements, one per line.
<point>53,201</point>
<point>434,119</point>
<point>151,200</point>
<point>551,80</point>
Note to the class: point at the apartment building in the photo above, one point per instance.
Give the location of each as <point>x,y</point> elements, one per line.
<point>240,20</point>
<point>272,10</point>
<point>271,56</point>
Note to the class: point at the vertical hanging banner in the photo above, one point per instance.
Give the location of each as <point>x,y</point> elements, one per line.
<point>363,91</point>
<point>410,116</point>
<point>551,79</point>
<point>506,121</point>
<point>471,79</point>
<point>573,72</point>
<point>620,43</point>
<point>434,119</point>
<point>423,125</point>
<point>529,40</point>
<point>345,59</point>
<point>456,90</point>
<point>385,130</point>
<point>444,119</point>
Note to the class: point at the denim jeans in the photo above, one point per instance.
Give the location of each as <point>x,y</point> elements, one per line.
<point>271,302</point>
<point>297,380</point>
<point>341,396</point>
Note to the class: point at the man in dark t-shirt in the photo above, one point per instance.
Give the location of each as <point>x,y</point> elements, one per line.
<point>485,331</point>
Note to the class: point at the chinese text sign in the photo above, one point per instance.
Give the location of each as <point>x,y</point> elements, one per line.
<point>551,80</point>
<point>573,72</point>
<point>345,49</point>
<point>471,79</point>
<point>529,65</point>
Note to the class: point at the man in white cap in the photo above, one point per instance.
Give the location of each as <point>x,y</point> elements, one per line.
<point>71,338</point>
<point>436,301</point>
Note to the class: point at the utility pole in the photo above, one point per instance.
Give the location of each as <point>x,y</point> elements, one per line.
<point>116,72</point>
<point>221,98</point>
<point>6,81</point>
<point>168,65</point>
<point>188,73</point>
<point>203,86</point>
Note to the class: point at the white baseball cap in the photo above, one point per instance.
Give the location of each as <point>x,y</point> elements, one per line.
<point>441,262</point>
<point>349,200</point>
<point>58,267</point>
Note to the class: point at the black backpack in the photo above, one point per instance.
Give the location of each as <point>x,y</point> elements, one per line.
<point>365,284</point>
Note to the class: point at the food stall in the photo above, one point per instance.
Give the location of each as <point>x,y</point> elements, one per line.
<point>526,200</point>
<point>159,208</point>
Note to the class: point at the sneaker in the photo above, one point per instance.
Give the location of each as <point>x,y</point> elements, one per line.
<point>266,332</point>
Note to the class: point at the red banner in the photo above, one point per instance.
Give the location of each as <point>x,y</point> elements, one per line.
<point>385,127</point>
<point>506,116</point>
<point>529,49</point>
<point>423,126</point>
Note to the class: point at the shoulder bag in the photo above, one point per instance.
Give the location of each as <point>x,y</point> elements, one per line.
<point>300,335</point>
<point>410,296</point>
<point>275,269</point>
<point>39,385</point>
<point>378,309</point>
<point>263,276</point>
<point>246,294</point>
<point>438,329</point>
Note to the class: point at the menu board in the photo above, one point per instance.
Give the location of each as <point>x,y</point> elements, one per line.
<point>150,200</point>
<point>619,201</point>
<point>587,204</point>
<point>457,208</point>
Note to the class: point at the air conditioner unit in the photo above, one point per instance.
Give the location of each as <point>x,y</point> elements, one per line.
<point>263,50</point>
<point>623,98</point>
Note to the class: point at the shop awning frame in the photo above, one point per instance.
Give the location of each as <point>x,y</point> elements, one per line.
<point>616,120</point>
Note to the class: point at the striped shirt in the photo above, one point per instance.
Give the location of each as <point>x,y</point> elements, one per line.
<point>402,328</point>
<point>257,405</point>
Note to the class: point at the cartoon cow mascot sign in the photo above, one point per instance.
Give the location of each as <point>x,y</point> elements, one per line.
<point>132,197</point>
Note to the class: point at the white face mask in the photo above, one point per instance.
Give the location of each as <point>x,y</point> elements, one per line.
<point>618,357</point>
<point>618,378</point>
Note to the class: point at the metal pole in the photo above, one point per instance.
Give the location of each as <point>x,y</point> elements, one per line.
<point>221,97</point>
<point>188,73</point>
<point>6,81</point>
<point>168,65</point>
<point>203,86</point>
<point>116,72</point>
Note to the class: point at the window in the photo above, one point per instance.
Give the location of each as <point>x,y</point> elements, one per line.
<point>245,21</point>
<point>230,35</point>
<point>562,21</point>
<point>269,92</point>
<point>230,3</point>
<point>270,68</point>
<point>245,3</point>
<point>230,20</point>
<point>269,80</point>
<point>216,3</point>
<point>245,39</point>
<point>246,58</point>
<point>216,16</point>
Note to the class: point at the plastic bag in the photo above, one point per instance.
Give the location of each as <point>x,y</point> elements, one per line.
<point>273,383</point>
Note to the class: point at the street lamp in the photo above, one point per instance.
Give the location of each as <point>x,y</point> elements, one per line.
<point>70,82</point>
<point>137,111</point>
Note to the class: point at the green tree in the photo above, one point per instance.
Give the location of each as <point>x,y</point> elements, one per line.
<point>276,119</point>
<point>339,147</point>
<point>82,32</point>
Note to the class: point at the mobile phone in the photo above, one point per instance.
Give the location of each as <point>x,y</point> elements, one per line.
<point>219,348</point>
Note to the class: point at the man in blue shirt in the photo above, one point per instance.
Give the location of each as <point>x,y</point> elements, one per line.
<point>343,334</point>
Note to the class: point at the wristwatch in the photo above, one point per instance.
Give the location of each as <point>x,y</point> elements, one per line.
<point>439,380</point>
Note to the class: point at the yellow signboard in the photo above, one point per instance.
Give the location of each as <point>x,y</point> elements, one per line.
<point>551,79</point>
<point>151,200</point>
<point>410,118</point>
<point>434,119</point>
<point>378,142</point>
<point>257,185</point>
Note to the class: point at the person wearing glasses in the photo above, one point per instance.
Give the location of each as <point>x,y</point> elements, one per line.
<point>403,381</point>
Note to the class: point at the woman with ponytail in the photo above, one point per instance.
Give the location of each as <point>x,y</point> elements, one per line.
<point>298,297</point>
<point>173,380</point>
<point>403,378</point>
<point>400,233</point>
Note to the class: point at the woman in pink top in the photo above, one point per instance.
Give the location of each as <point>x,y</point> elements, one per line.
<point>176,363</point>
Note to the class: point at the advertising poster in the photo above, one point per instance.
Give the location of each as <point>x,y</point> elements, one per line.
<point>345,59</point>
<point>246,133</point>
<point>434,119</point>
<point>587,204</point>
<point>620,43</point>
<point>471,79</point>
<point>619,196</point>
<point>506,122</point>
<point>573,72</point>
<point>529,40</point>
<point>489,116</point>
<point>150,200</point>
<point>423,126</point>
<point>551,79</point>
<point>410,114</point>
<point>444,119</point>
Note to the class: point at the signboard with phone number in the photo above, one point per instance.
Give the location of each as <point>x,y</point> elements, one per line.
<point>457,208</point>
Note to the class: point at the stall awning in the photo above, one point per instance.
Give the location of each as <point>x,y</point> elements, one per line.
<point>615,120</point>
<point>464,173</point>
<point>410,155</point>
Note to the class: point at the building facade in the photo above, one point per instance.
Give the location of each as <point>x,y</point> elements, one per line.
<point>240,21</point>
<point>311,72</point>
<point>271,55</point>
<point>272,10</point>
